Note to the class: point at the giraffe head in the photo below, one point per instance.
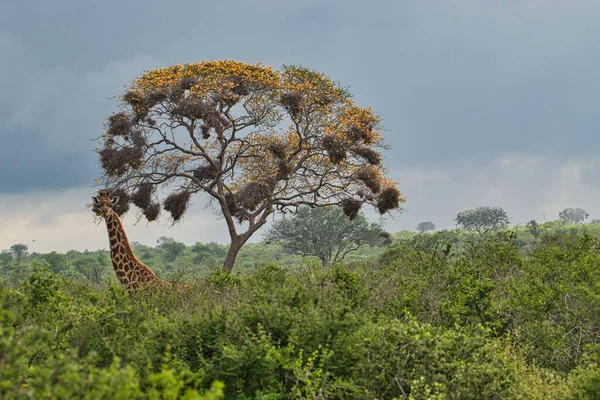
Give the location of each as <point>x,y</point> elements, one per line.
<point>104,202</point>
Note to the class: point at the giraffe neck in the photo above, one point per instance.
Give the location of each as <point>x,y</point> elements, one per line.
<point>119,244</point>
<point>130,271</point>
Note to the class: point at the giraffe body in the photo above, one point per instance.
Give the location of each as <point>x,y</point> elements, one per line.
<point>130,271</point>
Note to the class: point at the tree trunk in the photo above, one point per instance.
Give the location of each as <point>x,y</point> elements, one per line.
<point>324,261</point>
<point>237,241</point>
<point>232,253</point>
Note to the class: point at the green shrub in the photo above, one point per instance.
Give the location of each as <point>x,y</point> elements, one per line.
<point>485,320</point>
<point>419,361</point>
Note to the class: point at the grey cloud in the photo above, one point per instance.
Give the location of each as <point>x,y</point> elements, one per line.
<point>88,34</point>
<point>26,164</point>
<point>591,175</point>
<point>51,116</point>
<point>471,82</point>
<point>526,186</point>
<point>454,81</point>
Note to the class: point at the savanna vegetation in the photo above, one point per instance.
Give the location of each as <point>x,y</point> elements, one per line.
<point>328,306</point>
<point>443,315</point>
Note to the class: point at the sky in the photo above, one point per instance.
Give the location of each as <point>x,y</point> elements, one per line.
<point>484,103</point>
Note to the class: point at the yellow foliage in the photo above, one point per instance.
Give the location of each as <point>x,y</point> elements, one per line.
<point>216,75</point>
<point>325,135</point>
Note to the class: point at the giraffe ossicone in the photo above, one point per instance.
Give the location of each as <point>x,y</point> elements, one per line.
<point>130,271</point>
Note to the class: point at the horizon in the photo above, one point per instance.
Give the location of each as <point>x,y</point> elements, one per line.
<point>483,105</point>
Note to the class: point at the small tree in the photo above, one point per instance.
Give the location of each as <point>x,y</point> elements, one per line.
<point>19,250</point>
<point>6,259</point>
<point>57,261</point>
<point>93,268</point>
<point>172,249</point>
<point>161,241</point>
<point>325,233</point>
<point>573,215</point>
<point>425,227</point>
<point>208,253</point>
<point>254,140</point>
<point>534,228</point>
<point>482,219</point>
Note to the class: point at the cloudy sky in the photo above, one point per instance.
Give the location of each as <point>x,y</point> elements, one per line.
<point>493,103</point>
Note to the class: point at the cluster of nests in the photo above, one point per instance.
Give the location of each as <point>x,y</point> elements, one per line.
<point>249,197</point>
<point>357,144</point>
<point>176,204</point>
<point>195,108</point>
<point>175,96</point>
<point>191,106</point>
<point>293,102</point>
<point>280,151</point>
<point>117,160</point>
<point>386,200</point>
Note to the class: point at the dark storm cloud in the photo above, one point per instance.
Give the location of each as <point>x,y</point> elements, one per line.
<point>461,80</point>
<point>454,81</point>
<point>27,165</point>
<point>49,116</point>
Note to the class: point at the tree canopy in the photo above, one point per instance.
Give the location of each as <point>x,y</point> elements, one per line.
<point>534,228</point>
<point>253,139</point>
<point>325,233</point>
<point>173,249</point>
<point>19,250</point>
<point>573,215</point>
<point>425,227</point>
<point>482,219</point>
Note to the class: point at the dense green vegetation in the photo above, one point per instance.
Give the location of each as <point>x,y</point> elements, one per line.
<point>444,315</point>
<point>171,260</point>
<point>175,261</point>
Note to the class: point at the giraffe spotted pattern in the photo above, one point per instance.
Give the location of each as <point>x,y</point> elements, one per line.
<point>130,271</point>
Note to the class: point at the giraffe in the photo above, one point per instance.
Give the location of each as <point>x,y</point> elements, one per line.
<point>130,271</point>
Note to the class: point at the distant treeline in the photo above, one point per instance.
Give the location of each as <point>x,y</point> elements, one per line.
<point>175,261</point>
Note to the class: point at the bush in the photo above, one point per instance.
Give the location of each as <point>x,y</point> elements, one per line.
<point>412,360</point>
<point>426,321</point>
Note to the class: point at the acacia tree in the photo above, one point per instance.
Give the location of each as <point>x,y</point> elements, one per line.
<point>325,233</point>
<point>19,250</point>
<point>573,215</point>
<point>426,226</point>
<point>482,219</point>
<point>252,139</point>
